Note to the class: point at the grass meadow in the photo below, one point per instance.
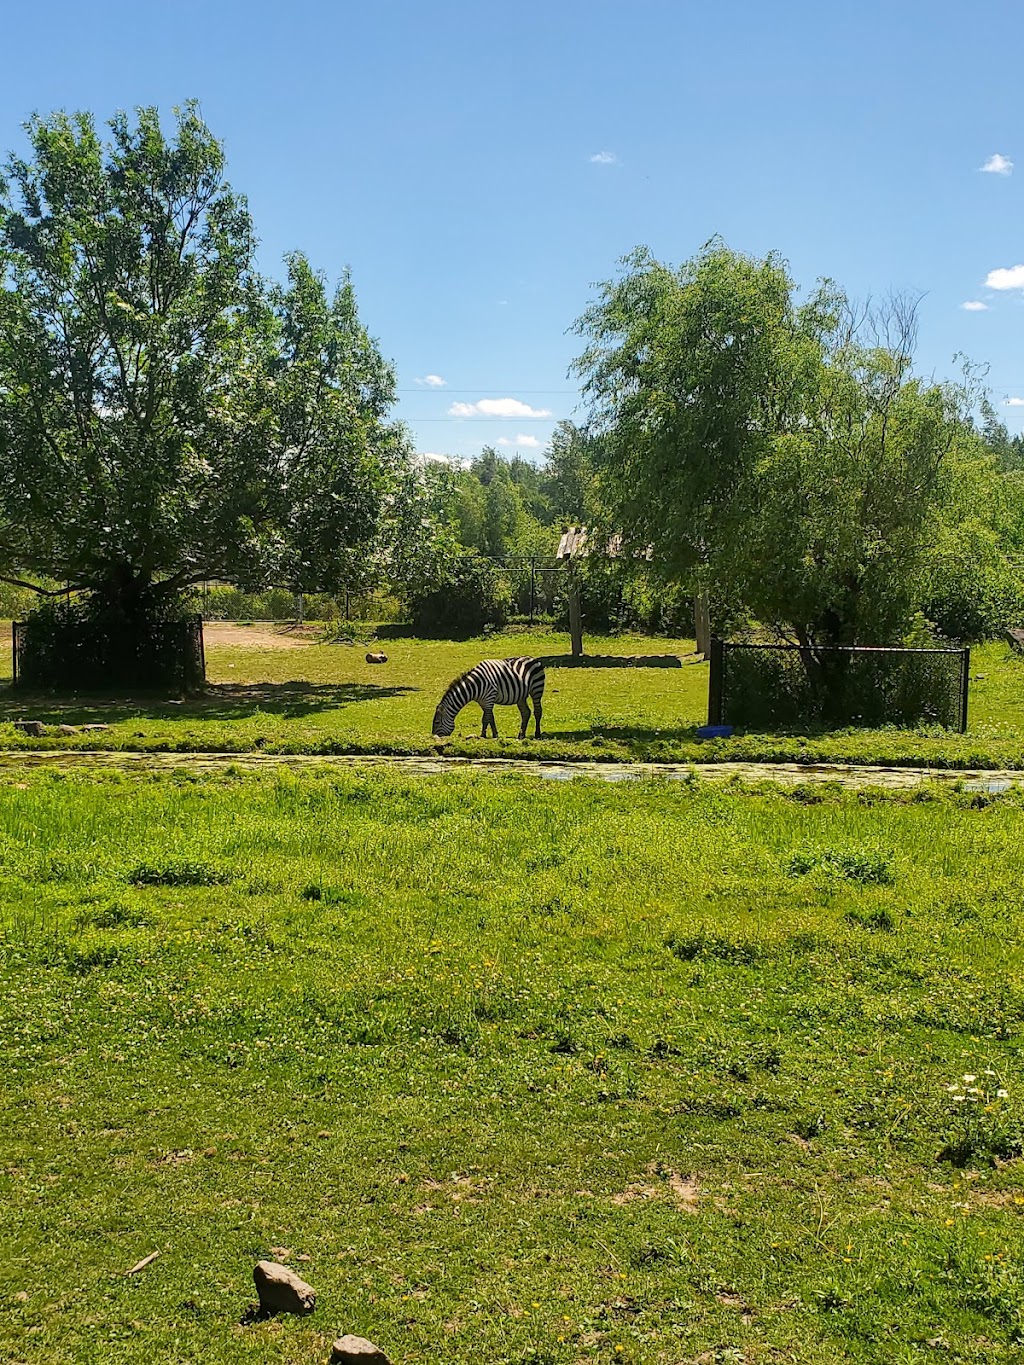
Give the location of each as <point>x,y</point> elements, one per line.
<point>272,690</point>
<point>511,1072</point>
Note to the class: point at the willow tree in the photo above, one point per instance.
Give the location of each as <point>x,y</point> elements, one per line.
<point>166,416</point>
<point>783,450</point>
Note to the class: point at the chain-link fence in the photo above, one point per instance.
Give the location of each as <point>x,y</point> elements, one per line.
<point>763,687</point>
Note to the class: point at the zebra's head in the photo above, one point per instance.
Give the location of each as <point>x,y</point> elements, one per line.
<point>444,723</point>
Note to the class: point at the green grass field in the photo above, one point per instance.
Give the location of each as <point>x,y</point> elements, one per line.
<point>313,698</point>
<point>511,1072</point>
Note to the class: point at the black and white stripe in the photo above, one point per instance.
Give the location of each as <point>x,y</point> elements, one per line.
<point>494,682</point>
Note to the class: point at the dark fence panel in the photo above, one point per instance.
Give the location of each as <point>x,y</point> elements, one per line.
<point>763,687</point>
<point>84,656</point>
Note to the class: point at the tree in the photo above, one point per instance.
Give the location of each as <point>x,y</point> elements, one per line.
<point>165,416</point>
<point>570,475</point>
<point>786,450</point>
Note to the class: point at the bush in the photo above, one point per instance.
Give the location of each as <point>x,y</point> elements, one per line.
<point>973,593</point>
<point>469,596</point>
<point>75,647</point>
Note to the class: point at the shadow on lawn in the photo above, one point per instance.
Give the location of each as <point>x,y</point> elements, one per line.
<point>617,660</point>
<point>218,701</point>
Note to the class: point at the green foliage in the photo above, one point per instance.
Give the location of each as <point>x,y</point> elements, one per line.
<point>850,865</point>
<point>468,595</point>
<point>177,872</point>
<point>86,646</point>
<point>165,416</point>
<point>786,449</point>
<point>570,476</point>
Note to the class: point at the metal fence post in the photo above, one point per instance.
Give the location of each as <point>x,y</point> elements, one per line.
<point>965,681</point>
<point>716,681</point>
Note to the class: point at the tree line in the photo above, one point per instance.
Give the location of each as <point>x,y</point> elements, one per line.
<point>169,416</point>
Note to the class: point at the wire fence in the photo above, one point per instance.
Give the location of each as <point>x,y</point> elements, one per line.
<point>86,656</point>
<point>762,687</point>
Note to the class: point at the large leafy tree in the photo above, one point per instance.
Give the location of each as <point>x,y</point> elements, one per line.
<point>783,451</point>
<point>166,416</point>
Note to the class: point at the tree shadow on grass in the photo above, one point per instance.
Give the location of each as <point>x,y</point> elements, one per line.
<point>217,701</point>
<point>615,660</point>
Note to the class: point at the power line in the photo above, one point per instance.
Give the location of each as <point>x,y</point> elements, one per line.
<point>481,388</point>
<point>510,421</point>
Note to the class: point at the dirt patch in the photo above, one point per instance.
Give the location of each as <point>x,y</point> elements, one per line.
<point>262,635</point>
<point>684,1189</point>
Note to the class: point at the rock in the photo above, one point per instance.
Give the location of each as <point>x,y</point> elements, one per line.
<point>30,727</point>
<point>281,1290</point>
<point>95,727</point>
<point>67,729</point>
<point>349,1350</point>
<point>376,658</point>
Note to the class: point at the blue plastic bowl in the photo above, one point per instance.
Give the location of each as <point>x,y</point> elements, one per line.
<point>714,731</point>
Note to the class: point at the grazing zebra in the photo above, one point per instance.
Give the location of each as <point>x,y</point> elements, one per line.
<point>494,682</point>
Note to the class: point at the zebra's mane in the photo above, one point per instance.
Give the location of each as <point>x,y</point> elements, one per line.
<point>455,681</point>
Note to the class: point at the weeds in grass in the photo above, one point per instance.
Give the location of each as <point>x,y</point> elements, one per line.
<point>880,920</point>
<point>867,869</point>
<point>178,872</point>
<point>983,1123</point>
<point>113,915</point>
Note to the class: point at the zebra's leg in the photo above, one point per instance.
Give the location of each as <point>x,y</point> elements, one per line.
<point>489,721</point>
<point>537,712</point>
<point>524,711</point>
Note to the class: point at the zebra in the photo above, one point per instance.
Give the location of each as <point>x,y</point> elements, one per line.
<point>493,682</point>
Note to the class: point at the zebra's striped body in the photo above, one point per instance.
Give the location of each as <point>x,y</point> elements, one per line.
<point>494,682</point>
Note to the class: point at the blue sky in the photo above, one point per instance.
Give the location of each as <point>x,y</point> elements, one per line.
<point>479,166</point>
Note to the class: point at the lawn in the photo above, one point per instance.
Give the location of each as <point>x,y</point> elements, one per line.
<point>511,1073</point>
<point>274,690</point>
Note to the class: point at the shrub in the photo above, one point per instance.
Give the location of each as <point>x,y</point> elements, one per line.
<point>76,646</point>
<point>468,596</point>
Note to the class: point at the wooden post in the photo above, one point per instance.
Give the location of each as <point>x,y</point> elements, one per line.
<point>702,623</point>
<point>575,616</point>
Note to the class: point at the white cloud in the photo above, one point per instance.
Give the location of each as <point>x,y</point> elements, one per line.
<point>432,381</point>
<point>496,407</point>
<point>997,165</point>
<point>530,442</point>
<point>604,158</point>
<point>1006,277</point>
<point>1014,402</point>
<point>423,457</point>
<point>974,306</point>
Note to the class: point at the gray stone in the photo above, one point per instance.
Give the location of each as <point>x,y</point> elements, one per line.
<point>30,727</point>
<point>376,658</point>
<point>67,729</point>
<point>281,1290</point>
<point>351,1350</point>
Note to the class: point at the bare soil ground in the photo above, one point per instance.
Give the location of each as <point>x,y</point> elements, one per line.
<point>261,635</point>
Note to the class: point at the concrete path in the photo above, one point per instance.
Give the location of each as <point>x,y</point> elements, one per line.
<point>788,774</point>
